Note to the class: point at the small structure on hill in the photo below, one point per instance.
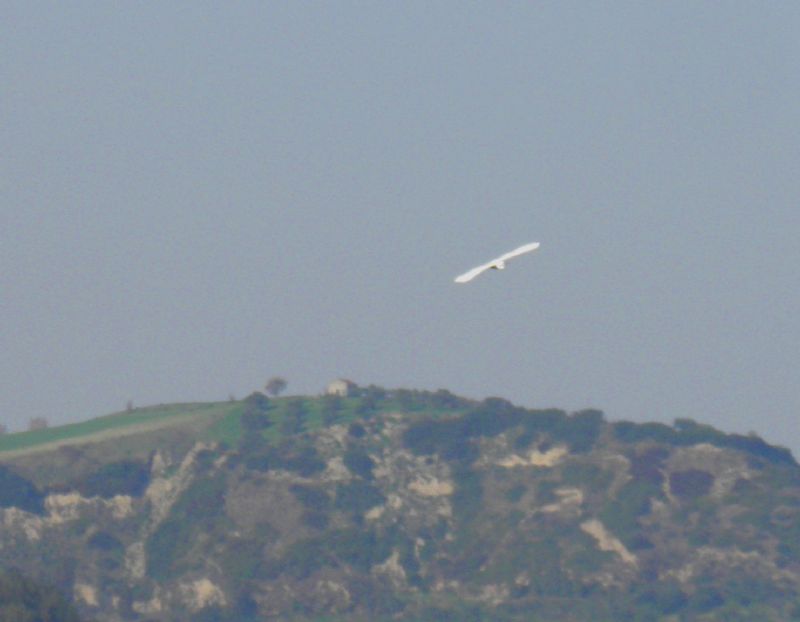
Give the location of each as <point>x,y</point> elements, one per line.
<point>341,387</point>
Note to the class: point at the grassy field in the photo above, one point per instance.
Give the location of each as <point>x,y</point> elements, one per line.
<point>213,421</point>
<point>134,421</point>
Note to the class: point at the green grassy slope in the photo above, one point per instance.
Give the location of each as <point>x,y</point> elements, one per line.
<point>132,422</point>
<point>218,421</point>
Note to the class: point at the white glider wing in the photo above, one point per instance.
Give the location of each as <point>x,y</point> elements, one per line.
<point>498,263</point>
<point>471,274</point>
<point>525,248</point>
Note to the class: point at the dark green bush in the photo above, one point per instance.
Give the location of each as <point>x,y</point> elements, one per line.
<point>104,541</point>
<point>316,520</point>
<point>194,511</point>
<point>255,421</point>
<point>441,399</point>
<point>760,448</point>
<point>302,459</point>
<point>688,432</point>
<point>331,407</point>
<point>358,548</point>
<point>22,600</point>
<point>357,497</point>
<point>647,465</point>
<point>16,491</point>
<point>665,597</point>
<point>292,455</point>
<point>204,499</point>
<point>454,438</point>
<point>356,430</point>
<point>126,477</point>
<point>581,430</point>
<point>170,541</point>
<point>358,461</point>
<point>468,494</point>
<point>295,416</point>
<point>629,432</point>
<point>690,484</point>
<point>621,515</point>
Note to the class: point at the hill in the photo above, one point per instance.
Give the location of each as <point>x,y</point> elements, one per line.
<point>402,505</point>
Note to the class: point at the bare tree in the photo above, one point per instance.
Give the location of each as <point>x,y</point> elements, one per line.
<point>275,386</point>
<point>3,429</point>
<point>37,423</point>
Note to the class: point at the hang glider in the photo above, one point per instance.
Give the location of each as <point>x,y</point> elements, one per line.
<point>498,263</point>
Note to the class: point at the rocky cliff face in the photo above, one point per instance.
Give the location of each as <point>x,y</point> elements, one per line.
<point>489,512</point>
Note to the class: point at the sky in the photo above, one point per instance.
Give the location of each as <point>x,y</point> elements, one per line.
<point>196,196</point>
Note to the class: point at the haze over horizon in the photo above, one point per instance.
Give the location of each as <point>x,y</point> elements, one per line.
<point>196,197</point>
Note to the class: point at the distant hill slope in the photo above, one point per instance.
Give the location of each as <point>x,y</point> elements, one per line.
<point>111,426</point>
<point>402,505</point>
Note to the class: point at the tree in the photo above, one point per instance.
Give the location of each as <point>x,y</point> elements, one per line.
<point>255,414</point>
<point>275,386</point>
<point>37,423</point>
<point>3,429</point>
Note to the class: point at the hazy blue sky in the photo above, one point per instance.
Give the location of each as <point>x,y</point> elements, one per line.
<point>195,196</point>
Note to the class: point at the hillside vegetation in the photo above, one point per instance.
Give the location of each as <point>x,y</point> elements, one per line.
<point>402,505</point>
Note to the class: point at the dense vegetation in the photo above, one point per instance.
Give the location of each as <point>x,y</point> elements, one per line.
<point>16,491</point>
<point>414,506</point>
<point>22,600</point>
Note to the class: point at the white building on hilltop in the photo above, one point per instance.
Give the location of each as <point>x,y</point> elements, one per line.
<point>341,387</point>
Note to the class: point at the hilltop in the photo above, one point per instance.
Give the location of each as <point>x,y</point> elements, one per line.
<point>401,505</point>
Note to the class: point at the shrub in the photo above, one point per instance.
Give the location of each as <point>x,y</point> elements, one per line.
<point>358,461</point>
<point>126,477</point>
<point>358,496</point>
<point>356,430</point>
<point>666,597</point>
<point>16,491</point>
<point>442,399</point>
<point>255,421</point>
<point>450,438</point>
<point>690,484</point>
<point>331,407</point>
<point>202,500</point>
<point>316,520</point>
<point>358,547</point>
<point>648,464</point>
<point>291,455</point>
<point>756,446</point>
<point>295,416</point>
<point>22,600</point>
<point>303,460</point>
<point>621,515</point>
<point>104,541</point>
<point>581,430</point>
<point>165,546</point>
<point>629,432</point>
<point>256,402</point>
<point>468,494</point>
<point>369,400</point>
<point>255,412</point>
